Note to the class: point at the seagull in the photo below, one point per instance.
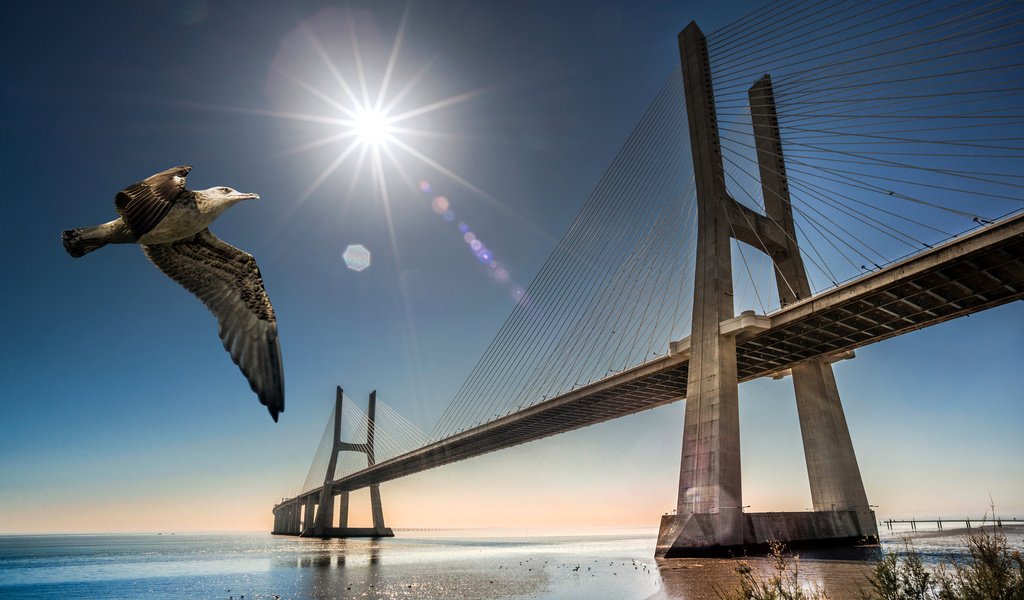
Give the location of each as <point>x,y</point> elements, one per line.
<point>171,224</point>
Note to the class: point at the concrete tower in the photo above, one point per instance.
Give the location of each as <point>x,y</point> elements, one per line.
<point>709,516</point>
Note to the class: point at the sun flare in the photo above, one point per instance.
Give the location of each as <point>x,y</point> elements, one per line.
<point>370,117</point>
<point>371,127</point>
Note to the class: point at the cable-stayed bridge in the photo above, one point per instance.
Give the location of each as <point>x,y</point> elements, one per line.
<point>863,162</point>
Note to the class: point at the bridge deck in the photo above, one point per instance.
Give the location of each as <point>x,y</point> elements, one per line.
<point>968,274</point>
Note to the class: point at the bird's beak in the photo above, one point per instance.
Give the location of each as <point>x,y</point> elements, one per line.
<point>244,196</point>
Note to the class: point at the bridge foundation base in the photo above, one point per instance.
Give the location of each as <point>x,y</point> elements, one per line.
<point>340,532</point>
<point>693,535</point>
<point>348,532</point>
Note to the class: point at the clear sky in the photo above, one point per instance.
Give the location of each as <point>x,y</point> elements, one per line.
<point>122,412</point>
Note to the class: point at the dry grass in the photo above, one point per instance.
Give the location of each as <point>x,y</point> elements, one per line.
<point>782,584</point>
<point>990,570</point>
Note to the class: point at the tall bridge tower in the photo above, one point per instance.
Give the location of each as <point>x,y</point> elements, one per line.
<point>709,515</point>
<point>312,514</point>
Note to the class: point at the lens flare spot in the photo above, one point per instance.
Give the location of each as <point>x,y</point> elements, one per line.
<point>475,244</point>
<point>356,257</point>
<point>463,228</point>
<point>518,293</point>
<point>424,186</point>
<point>440,205</point>
<point>469,237</point>
<point>448,216</point>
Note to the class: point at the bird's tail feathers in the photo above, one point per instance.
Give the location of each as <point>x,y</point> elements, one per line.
<point>83,240</point>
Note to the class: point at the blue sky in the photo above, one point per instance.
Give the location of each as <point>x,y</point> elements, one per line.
<point>123,412</point>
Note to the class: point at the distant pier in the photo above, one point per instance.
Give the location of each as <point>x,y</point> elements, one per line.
<point>982,521</point>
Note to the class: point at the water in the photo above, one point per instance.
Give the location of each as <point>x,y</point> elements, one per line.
<point>613,564</point>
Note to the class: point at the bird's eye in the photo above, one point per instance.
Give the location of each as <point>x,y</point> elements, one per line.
<point>225,190</point>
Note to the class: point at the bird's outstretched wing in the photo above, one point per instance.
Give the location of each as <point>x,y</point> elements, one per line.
<point>144,204</point>
<point>229,283</point>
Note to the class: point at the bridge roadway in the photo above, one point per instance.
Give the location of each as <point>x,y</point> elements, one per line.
<point>973,272</point>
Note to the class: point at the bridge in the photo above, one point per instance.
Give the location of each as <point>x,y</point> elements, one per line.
<point>974,270</point>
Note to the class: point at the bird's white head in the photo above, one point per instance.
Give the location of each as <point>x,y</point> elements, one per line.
<point>219,199</point>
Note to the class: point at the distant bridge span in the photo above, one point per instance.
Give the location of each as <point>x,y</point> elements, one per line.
<point>968,274</point>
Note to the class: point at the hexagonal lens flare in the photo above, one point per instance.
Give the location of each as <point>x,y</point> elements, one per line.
<point>356,257</point>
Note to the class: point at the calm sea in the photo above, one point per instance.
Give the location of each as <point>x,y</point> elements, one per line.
<point>593,565</point>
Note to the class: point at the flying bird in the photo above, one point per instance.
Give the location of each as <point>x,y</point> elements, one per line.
<point>171,224</point>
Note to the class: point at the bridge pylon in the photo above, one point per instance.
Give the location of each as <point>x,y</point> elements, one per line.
<point>318,516</point>
<point>709,516</point>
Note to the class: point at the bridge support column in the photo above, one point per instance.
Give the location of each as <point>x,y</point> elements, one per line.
<point>709,508</point>
<point>343,510</point>
<point>326,513</point>
<point>832,469</point>
<point>308,517</point>
<point>377,511</point>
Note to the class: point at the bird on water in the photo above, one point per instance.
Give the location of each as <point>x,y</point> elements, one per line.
<point>171,224</point>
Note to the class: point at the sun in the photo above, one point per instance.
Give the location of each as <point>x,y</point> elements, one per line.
<point>371,127</point>
<point>368,120</point>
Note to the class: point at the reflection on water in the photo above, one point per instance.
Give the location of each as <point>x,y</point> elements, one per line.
<point>695,579</point>
<point>556,568</point>
<point>840,573</point>
<point>335,576</point>
<point>420,568</point>
<point>333,553</point>
<point>613,565</point>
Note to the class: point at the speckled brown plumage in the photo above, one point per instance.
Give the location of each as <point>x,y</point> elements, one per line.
<point>144,204</point>
<point>228,281</point>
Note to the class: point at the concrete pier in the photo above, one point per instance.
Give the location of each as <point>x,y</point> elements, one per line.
<point>286,518</point>
<point>695,536</point>
<point>343,509</point>
<point>308,513</point>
